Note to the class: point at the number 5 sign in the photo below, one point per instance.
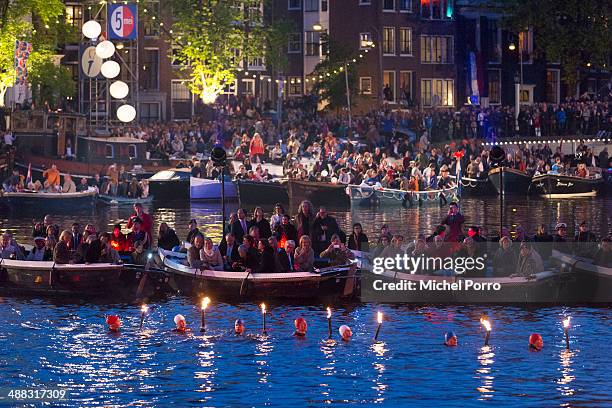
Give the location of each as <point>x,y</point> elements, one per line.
<point>122,20</point>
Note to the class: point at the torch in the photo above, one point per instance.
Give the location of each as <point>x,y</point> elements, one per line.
<point>329,325</point>
<point>205,303</point>
<point>566,323</point>
<point>380,319</point>
<point>487,325</point>
<point>143,310</point>
<point>263,316</point>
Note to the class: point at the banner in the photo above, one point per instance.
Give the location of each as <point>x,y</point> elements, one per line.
<point>22,53</point>
<point>122,22</point>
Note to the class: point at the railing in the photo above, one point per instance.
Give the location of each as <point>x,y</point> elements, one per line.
<point>39,121</point>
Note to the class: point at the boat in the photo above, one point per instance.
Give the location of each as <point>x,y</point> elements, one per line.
<point>340,281</point>
<point>373,196</point>
<point>207,189</point>
<point>592,283</point>
<point>117,200</point>
<point>265,194</point>
<point>56,201</point>
<point>509,181</point>
<point>171,184</point>
<point>318,193</point>
<point>79,280</point>
<point>564,186</point>
<point>475,187</point>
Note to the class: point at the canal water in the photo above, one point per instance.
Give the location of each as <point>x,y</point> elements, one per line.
<point>65,344</point>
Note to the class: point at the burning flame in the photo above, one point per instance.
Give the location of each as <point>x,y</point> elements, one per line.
<point>329,313</point>
<point>486,323</point>
<point>380,317</point>
<point>263,308</point>
<point>205,302</point>
<point>144,308</point>
<point>566,322</point>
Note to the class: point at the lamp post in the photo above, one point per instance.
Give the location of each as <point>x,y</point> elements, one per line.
<point>517,106</point>
<point>219,159</point>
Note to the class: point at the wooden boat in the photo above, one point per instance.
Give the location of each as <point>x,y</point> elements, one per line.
<point>325,282</point>
<point>206,189</point>
<point>318,193</point>
<point>563,186</point>
<point>55,201</point>
<point>117,200</point>
<point>79,280</point>
<point>372,196</point>
<point>509,181</point>
<point>255,193</point>
<point>591,283</point>
<point>172,184</point>
<point>471,187</point>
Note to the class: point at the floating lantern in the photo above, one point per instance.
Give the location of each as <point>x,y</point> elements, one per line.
<point>380,320</point>
<point>105,49</point>
<point>566,323</point>
<point>205,303</point>
<point>110,69</point>
<point>263,316</point>
<point>329,323</point>
<point>143,310</point>
<point>126,113</point>
<point>91,29</point>
<point>119,89</point>
<point>487,325</point>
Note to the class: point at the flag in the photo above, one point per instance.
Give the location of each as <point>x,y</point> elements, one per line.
<point>29,176</point>
<point>23,50</point>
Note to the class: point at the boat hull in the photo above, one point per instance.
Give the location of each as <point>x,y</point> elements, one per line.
<point>560,186</point>
<point>476,187</point>
<point>53,201</point>
<point>591,283</point>
<point>205,189</point>
<point>169,190</point>
<point>318,193</point>
<point>368,196</point>
<point>116,200</point>
<point>511,181</point>
<point>261,194</point>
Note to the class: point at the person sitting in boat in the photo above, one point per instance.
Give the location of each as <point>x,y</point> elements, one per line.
<point>504,261</point>
<point>52,178</point>
<point>193,253</point>
<point>118,240</point>
<point>584,241</point>
<point>520,235</point>
<point>37,253</point>
<point>381,246</point>
<point>145,219</point>
<point>304,218</point>
<point>83,185</point>
<point>474,233</point>
<point>240,226</point>
<point>210,256</point>
<point>89,250</point>
<point>261,223</point>
<point>275,219</point>
<point>304,255</point>
<point>285,258</point>
<point>133,190</point>
<point>11,183</point>
<point>167,238</point>
<point>139,234</point>
<point>469,249</point>
<point>337,252</point>
<point>47,222</point>
<point>69,186</point>
<point>323,228</point>
<point>394,248</point>
<point>266,257</point>
<point>229,250</point>
<point>560,237</point>
<point>543,241</point>
<point>244,262</point>
<point>108,253</point>
<point>384,233</point>
<point>285,231</point>
<point>254,232</point>
<point>9,248</point>
<point>61,252</point>
<point>358,241</point>
<point>557,167</point>
<point>144,188</point>
<point>139,255</point>
<point>603,256</point>
<point>193,231</point>
<point>529,261</point>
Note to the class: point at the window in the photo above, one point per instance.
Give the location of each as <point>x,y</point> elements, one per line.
<point>388,5</point>
<point>437,92</point>
<point>311,5</point>
<point>493,38</point>
<point>151,21</point>
<point>389,87</point>
<point>388,40</point>
<point>405,6</point>
<point>248,86</point>
<point>365,2</point>
<point>311,43</point>
<point>132,151</point>
<point>295,43</point>
<point>256,64</point>
<point>365,85</point>
<point>150,69</point>
<point>109,151</point>
<point>405,38</point>
<point>437,9</point>
<point>494,76</point>
<point>179,91</point>
<point>365,40</point>
<point>149,111</point>
<point>552,85</point>
<point>323,5</point>
<point>178,60</point>
<point>74,15</point>
<point>295,86</point>
<point>437,49</point>
<point>405,83</point>
<point>230,89</point>
<point>295,4</point>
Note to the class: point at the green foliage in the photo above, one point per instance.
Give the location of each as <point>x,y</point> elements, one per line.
<point>50,82</point>
<point>572,32</point>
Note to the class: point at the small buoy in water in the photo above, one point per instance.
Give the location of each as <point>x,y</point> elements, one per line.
<point>450,339</point>
<point>345,332</point>
<point>300,326</point>
<point>114,323</point>
<point>535,342</point>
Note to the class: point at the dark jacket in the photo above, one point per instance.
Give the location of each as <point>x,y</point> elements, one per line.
<point>169,240</point>
<point>61,253</point>
<point>267,261</point>
<point>282,261</point>
<point>360,243</point>
<point>234,256</point>
<point>264,227</point>
<point>238,231</point>
<point>288,230</point>
<point>322,231</point>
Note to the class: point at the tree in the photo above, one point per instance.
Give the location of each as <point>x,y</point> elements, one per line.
<point>573,32</point>
<point>51,83</point>
<point>214,37</point>
<point>40,22</point>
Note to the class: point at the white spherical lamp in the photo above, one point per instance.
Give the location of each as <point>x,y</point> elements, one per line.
<point>92,29</point>
<point>126,113</point>
<point>119,89</point>
<point>110,69</point>
<point>105,49</point>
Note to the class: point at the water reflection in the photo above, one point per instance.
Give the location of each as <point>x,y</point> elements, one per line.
<point>564,382</point>
<point>379,348</point>
<point>484,372</point>
<point>264,348</point>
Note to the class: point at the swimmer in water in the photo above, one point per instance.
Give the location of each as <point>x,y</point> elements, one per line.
<point>345,332</point>
<point>239,327</point>
<point>450,339</point>
<point>181,324</point>
<point>536,342</point>
<point>114,323</point>
<point>300,327</point>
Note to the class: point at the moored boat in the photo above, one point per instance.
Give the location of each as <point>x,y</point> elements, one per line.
<point>324,282</point>
<point>207,189</point>
<point>118,200</point>
<point>592,283</point>
<point>265,194</point>
<point>564,186</point>
<point>171,184</point>
<point>371,196</point>
<point>56,201</point>
<point>509,181</point>
<point>475,187</point>
<point>318,193</point>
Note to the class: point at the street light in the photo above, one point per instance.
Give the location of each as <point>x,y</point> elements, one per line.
<point>517,107</point>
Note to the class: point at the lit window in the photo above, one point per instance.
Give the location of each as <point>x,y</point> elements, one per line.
<point>494,79</point>
<point>437,92</point>
<point>312,43</point>
<point>437,49</point>
<point>365,85</point>
<point>388,40</point>
<point>405,41</point>
<point>365,40</point>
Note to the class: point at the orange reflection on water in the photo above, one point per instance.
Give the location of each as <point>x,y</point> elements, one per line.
<point>486,360</point>
<point>566,358</point>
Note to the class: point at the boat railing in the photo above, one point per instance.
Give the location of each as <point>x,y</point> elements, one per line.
<point>39,121</point>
